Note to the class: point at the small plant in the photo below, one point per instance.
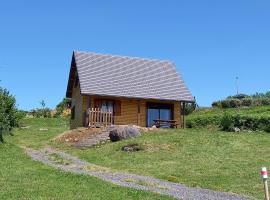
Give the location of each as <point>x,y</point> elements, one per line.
<point>172,179</point>
<point>226,122</point>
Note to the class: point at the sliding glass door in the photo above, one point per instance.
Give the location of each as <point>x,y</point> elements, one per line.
<point>158,111</point>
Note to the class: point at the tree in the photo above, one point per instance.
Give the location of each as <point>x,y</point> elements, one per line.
<point>64,104</point>
<point>189,108</point>
<point>9,114</point>
<point>42,103</point>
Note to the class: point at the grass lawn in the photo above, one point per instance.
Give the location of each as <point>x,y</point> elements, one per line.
<point>209,159</point>
<point>23,178</point>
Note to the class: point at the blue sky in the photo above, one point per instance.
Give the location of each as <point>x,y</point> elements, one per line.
<point>211,42</point>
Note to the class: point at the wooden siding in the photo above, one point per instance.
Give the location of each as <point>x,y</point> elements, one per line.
<point>77,101</point>
<point>132,111</point>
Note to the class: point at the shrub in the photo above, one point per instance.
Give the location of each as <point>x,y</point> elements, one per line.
<point>238,96</point>
<point>41,113</point>
<point>225,104</point>
<point>226,122</point>
<point>62,107</point>
<point>257,102</point>
<point>9,114</point>
<point>246,121</point>
<point>216,104</point>
<point>265,101</point>
<point>234,103</point>
<point>247,102</point>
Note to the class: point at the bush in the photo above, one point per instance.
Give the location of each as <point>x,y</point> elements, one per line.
<point>247,102</point>
<point>9,114</point>
<point>258,99</point>
<point>238,96</point>
<point>226,122</point>
<point>62,109</point>
<point>41,113</point>
<point>247,121</point>
<point>265,101</point>
<point>225,104</point>
<point>216,104</point>
<point>257,102</point>
<point>234,103</point>
<point>202,121</point>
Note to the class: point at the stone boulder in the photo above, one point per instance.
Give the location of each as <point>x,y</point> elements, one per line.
<point>123,132</point>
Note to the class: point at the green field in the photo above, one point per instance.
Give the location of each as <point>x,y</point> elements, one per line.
<point>22,178</point>
<point>204,158</point>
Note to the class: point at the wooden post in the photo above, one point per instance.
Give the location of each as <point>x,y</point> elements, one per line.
<point>183,115</point>
<point>265,184</point>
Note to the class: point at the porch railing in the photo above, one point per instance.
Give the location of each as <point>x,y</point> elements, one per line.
<point>97,117</point>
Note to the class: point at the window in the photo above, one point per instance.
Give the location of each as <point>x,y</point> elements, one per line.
<point>73,112</point>
<point>107,106</point>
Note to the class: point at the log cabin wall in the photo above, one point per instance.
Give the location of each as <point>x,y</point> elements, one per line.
<point>132,111</point>
<point>77,105</point>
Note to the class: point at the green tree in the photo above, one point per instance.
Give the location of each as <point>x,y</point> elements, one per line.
<point>9,114</point>
<point>64,104</point>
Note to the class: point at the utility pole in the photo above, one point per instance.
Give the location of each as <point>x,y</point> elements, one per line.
<point>237,84</point>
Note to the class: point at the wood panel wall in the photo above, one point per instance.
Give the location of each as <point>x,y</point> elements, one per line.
<point>130,114</point>
<point>77,101</point>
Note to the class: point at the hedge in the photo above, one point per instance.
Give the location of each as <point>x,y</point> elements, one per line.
<point>246,122</point>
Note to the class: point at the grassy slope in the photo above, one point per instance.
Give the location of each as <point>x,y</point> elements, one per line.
<point>22,178</point>
<point>209,159</point>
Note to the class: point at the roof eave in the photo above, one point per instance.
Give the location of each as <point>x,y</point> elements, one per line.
<point>134,97</point>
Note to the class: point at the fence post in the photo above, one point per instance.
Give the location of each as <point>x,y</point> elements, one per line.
<point>265,184</point>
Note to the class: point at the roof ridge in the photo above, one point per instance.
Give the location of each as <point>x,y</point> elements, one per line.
<point>124,56</point>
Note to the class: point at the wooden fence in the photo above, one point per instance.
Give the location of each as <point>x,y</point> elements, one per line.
<point>98,117</point>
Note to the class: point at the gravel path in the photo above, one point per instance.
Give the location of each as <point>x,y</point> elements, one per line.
<point>70,163</point>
